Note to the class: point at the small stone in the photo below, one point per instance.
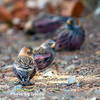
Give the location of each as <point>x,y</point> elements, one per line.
<point>94,45</point>
<point>47,72</point>
<point>69,68</point>
<point>17,87</point>
<point>94,98</point>
<point>80,83</point>
<point>64,62</point>
<point>16,21</point>
<point>54,98</point>
<point>85,69</point>
<point>71,80</point>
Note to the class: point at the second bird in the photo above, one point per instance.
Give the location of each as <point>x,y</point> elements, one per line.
<point>45,54</point>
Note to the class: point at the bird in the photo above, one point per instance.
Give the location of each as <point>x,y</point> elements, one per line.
<point>70,36</point>
<point>44,54</point>
<point>24,66</point>
<point>44,23</point>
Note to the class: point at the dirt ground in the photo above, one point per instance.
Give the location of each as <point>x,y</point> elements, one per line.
<point>86,68</point>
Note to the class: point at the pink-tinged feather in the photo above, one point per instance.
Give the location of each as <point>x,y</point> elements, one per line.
<point>42,56</point>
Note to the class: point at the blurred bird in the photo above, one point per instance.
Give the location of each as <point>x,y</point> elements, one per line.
<point>71,35</point>
<point>44,54</point>
<point>44,23</point>
<point>24,66</point>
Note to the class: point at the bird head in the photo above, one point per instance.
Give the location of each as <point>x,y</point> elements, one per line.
<point>26,51</point>
<point>72,23</point>
<point>48,44</point>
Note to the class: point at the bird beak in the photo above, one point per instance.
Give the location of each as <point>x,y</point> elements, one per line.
<point>33,51</point>
<point>68,22</point>
<point>53,45</point>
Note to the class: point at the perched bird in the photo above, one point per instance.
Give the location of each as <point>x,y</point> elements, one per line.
<point>44,23</point>
<point>71,36</point>
<point>44,54</point>
<point>24,67</point>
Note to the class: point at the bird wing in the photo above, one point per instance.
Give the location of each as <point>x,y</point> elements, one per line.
<point>24,65</point>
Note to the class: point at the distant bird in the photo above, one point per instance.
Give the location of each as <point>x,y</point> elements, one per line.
<point>44,23</point>
<point>71,36</point>
<point>24,66</point>
<point>44,54</point>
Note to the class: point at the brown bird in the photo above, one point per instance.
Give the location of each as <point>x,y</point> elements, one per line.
<point>24,66</point>
<point>45,54</point>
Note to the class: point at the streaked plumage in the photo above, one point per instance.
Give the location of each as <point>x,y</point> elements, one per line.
<point>45,54</point>
<point>71,36</point>
<point>24,66</point>
<point>44,23</point>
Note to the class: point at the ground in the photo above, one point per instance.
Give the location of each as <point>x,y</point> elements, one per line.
<point>85,68</point>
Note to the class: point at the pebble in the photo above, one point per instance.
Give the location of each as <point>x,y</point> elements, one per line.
<point>70,67</point>
<point>94,98</point>
<point>80,83</point>
<point>47,72</point>
<point>71,80</point>
<point>17,87</point>
<point>64,62</point>
<point>54,98</point>
<point>85,69</point>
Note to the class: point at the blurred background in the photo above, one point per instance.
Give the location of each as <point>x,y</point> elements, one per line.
<point>16,13</point>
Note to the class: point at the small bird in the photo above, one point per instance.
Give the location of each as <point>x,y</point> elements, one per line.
<point>44,54</point>
<point>71,36</point>
<point>44,23</point>
<point>24,67</point>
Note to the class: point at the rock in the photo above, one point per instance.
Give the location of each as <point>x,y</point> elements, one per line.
<point>16,87</point>
<point>94,45</point>
<point>85,69</point>
<point>80,83</point>
<point>94,98</point>
<point>71,80</point>
<point>41,98</point>
<point>64,62</point>
<point>70,67</point>
<point>16,21</point>
<point>47,72</point>
<point>31,4</point>
<point>54,98</point>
